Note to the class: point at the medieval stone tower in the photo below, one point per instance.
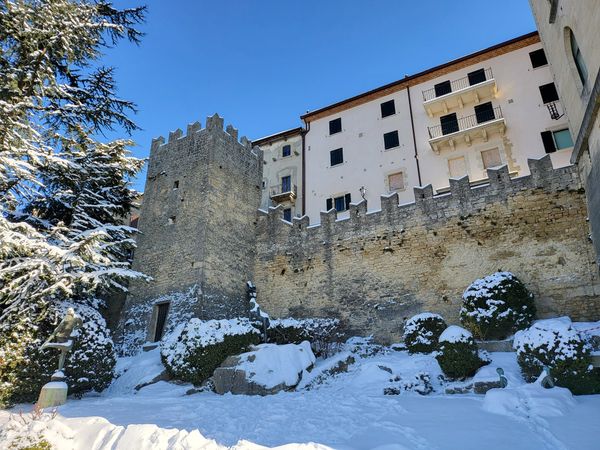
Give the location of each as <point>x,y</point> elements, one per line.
<point>197,229</point>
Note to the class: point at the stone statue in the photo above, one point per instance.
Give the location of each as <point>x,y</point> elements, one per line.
<point>61,339</point>
<point>55,392</point>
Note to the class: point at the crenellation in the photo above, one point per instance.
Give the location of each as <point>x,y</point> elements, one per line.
<point>175,135</point>
<point>233,132</point>
<point>499,178</point>
<point>214,122</point>
<point>193,128</point>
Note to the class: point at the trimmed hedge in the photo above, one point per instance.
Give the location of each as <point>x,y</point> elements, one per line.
<point>24,368</point>
<point>421,332</point>
<point>195,349</point>
<point>496,306</point>
<point>555,344</point>
<point>323,334</point>
<point>458,355</point>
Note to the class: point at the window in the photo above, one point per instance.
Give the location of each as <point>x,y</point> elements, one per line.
<point>396,182</point>
<point>264,184</point>
<point>336,156</point>
<point>388,108</point>
<point>484,112</point>
<point>161,319</point>
<point>578,57</point>
<point>287,214</point>
<point>476,77</point>
<point>548,93</point>
<point>286,184</point>
<point>286,150</point>
<point>341,203</point>
<point>538,58</point>
<point>457,167</point>
<point>176,184</point>
<point>335,125</point>
<point>442,88</point>
<point>449,123</point>
<point>390,140</point>
<point>491,158</point>
<point>556,140</point>
<point>171,220</point>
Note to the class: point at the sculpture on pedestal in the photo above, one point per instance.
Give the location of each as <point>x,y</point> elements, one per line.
<point>54,393</point>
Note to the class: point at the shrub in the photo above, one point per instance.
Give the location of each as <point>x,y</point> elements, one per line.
<point>323,334</point>
<point>24,368</point>
<point>421,332</point>
<point>195,349</point>
<point>556,344</point>
<point>496,306</point>
<point>458,355</point>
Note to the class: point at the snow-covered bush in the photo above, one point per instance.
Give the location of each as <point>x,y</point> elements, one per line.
<point>458,355</point>
<point>421,332</point>
<point>24,368</point>
<point>496,306</point>
<point>193,350</point>
<point>556,344</point>
<point>323,334</point>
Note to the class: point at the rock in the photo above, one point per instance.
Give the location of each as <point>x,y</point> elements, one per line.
<point>461,389</point>
<point>481,387</point>
<point>267,369</point>
<point>163,376</point>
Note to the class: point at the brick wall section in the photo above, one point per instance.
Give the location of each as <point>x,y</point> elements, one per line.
<point>375,270</point>
<point>200,233</point>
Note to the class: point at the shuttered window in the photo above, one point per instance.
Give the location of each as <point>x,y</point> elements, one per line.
<point>491,158</point>
<point>336,156</point>
<point>396,182</point>
<point>391,140</point>
<point>335,125</point>
<point>388,108</point>
<point>457,167</point>
<point>476,77</point>
<point>548,93</point>
<point>442,88</point>
<point>341,203</point>
<point>538,58</point>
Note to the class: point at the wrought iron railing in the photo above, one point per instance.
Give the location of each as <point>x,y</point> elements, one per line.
<point>464,123</point>
<point>283,189</point>
<point>459,84</point>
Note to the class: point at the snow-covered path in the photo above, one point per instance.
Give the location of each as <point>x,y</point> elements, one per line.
<point>349,412</point>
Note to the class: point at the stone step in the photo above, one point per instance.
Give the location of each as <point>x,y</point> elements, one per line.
<point>497,346</point>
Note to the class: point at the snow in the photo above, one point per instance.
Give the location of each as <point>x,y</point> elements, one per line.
<point>344,411</point>
<point>270,365</point>
<point>135,371</point>
<point>555,333</point>
<point>454,333</point>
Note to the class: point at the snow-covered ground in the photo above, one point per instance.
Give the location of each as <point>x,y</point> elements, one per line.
<point>346,411</point>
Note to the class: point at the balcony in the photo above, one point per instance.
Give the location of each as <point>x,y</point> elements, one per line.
<point>285,192</point>
<point>455,94</point>
<point>452,130</point>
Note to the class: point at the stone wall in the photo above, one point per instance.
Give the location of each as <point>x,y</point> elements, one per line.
<point>375,270</point>
<point>196,224</point>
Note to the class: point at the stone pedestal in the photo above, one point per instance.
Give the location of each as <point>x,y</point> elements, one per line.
<point>53,393</point>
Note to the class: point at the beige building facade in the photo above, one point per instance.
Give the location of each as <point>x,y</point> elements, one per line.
<point>282,172</point>
<point>494,107</point>
<point>570,32</point>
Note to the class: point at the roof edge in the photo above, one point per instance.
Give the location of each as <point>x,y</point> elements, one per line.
<point>277,136</point>
<point>411,78</point>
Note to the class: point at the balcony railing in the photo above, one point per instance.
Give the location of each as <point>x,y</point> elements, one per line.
<point>465,123</point>
<point>283,192</point>
<point>457,85</point>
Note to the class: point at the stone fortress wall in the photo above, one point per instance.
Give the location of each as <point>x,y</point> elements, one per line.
<point>196,225</point>
<point>374,270</point>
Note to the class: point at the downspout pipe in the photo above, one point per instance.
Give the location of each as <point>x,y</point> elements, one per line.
<point>303,134</point>
<point>412,125</point>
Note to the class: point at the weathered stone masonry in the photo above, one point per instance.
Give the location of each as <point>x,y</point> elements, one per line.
<point>374,270</point>
<point>197,225</point>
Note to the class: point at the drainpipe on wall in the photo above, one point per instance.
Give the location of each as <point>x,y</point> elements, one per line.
<point>303,133</point>
<point>412,124</point>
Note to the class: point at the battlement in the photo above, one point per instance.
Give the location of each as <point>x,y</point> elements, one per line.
<point>462,199</point>
<point>214,126</point>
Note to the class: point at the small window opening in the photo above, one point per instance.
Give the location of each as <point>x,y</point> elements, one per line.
<point>548,93</point>
<point>391,140</point>
<point>287,214</point>
<point>176,184</point>
<point>172,220</point>
<point>388,108</point>
<point>286,150</point>
<point>538,58</point>
<point>476,77</point>
<point>336,156</point>
<point>442,88</point>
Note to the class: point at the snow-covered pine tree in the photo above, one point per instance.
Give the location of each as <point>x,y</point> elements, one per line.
<point>63,191</point>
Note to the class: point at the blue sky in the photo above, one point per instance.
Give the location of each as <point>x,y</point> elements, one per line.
<point>263,63</point>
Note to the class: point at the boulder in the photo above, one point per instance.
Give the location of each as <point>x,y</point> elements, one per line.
<point>266,369</point>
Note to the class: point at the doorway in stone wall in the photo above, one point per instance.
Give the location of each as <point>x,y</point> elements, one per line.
<point>161,319</point>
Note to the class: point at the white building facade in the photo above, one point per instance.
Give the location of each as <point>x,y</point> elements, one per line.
<point>494,107</point>
<point>570,32</point>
